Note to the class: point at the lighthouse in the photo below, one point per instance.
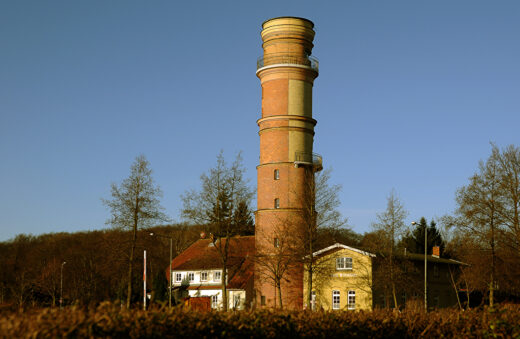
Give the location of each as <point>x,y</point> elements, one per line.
<point>287,163</point>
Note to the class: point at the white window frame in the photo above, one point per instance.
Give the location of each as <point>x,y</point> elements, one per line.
<point>217,276</point>
<point>214,301</point>
<point>236,301</point>
<point>344,263</point>
<point>336,300</point>
<point>351,299</point>
<point>191,277</point>
<point>313,300</point>
<point>203,276</point>
<point>178,277</point>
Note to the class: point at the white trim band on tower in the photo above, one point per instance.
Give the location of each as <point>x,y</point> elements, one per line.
<point>286,65</point>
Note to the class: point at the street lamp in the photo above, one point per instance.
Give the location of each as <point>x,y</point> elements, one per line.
<point>61,284</point>
<point>170,266</point>
<point>425,266</point>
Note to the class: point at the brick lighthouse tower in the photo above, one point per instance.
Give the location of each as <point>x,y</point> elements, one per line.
<point>287,162</point>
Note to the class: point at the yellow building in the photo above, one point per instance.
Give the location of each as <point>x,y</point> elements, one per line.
<point>341,279</point>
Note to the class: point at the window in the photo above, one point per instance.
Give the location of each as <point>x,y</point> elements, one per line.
<point>351,300</point>
<point>214,301</point>
<point>203,276</point>
<point>236,301</point>
<point>335,300</point>
<point>216,276</point>
<point>178,277</point>
<point>313,300</point>
<point>191,276</point>
<point>276,203</point>
<point>276,174</point>
<point>343,263</point>
<point>262,300</point>
<point>276,242</point>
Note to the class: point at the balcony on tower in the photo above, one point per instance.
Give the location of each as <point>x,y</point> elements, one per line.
<point>287,59</point>
<point>308,159</point>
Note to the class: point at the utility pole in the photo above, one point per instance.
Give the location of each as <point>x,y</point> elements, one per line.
<point>144,281</point>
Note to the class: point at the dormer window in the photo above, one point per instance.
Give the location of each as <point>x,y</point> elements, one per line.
<point>344,263</point>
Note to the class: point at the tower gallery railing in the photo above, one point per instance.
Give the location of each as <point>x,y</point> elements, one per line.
<point>305,158</point>
<point>310,61</point>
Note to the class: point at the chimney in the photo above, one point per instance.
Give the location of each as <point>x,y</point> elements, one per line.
<point>436,251</point>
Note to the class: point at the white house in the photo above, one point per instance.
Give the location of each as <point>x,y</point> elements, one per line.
<point>199,268</point>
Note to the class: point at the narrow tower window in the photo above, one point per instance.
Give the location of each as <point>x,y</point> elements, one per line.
<point>276,203</point>
<point>276,242</point>
<point>276,174</point>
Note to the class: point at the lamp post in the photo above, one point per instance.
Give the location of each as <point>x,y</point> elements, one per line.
<point>170,266</point>
<point>425,266</point>
<point>61,284</point>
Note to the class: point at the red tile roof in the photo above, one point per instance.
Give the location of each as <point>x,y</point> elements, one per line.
<point>203,255</point>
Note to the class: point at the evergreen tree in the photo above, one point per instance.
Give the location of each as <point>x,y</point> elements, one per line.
<point>414,241</point>
<point>160,287</point>
<point>220,210</point>
<point>243,220</point>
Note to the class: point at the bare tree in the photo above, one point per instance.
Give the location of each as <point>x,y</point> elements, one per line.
<point>49,279</point>
<point>222,196</point>
<point>479,205</point>
<point>135,205</point>
<point>18,269</point>
<point>391,226</point>
<point>509,172</point>
<point>319,203</point>
<point>277,254</point>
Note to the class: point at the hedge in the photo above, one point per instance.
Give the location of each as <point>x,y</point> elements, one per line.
<point>110,321</point>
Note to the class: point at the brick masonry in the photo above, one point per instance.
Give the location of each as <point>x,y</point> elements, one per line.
<point>286,127</point>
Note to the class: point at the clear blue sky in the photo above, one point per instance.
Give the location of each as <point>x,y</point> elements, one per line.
<point>409,96</point>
